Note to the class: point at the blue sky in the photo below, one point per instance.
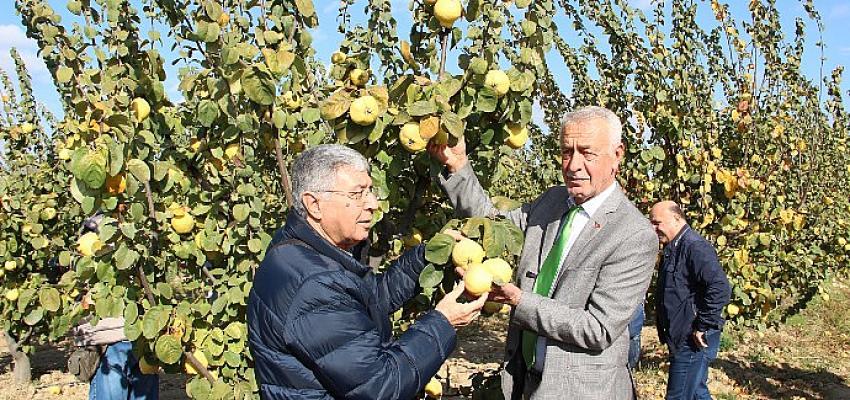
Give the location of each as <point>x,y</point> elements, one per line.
<point>835,13</point>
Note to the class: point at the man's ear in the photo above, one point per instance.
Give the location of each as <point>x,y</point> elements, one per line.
<point>312,206</point>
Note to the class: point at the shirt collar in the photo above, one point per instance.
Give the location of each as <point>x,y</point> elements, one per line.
<point>680,235</point>
<point>592,205</point>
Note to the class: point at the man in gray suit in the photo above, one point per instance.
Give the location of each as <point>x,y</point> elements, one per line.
<point>585,266</point>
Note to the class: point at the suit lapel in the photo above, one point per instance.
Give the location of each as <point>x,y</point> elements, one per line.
<point>601,218</point>
<point>552,219</point>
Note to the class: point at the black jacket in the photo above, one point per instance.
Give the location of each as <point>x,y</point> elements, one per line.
<point>692,289</point>
<point>319,326</point>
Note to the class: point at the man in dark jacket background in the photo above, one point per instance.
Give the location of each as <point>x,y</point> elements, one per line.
<point>318,319</point>
<point>691,291</point>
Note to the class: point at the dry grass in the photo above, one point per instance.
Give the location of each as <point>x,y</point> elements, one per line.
<point>808,357</point>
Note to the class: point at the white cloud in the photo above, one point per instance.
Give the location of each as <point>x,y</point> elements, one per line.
<point>844,50</point>
<point>14,36</point>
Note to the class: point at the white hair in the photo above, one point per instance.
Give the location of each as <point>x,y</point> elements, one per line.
<point>316,169</point>
<point>587,113</point>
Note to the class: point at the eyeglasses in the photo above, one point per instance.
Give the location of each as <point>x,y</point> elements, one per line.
<point>356,195</point>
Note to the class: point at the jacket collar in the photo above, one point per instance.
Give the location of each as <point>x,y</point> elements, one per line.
<point>678,238</point>
<point>297,228</point>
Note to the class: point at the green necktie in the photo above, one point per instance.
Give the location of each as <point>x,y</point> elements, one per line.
<point>544,281</point>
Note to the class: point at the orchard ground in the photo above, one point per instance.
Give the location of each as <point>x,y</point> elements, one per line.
<point>807,357</point>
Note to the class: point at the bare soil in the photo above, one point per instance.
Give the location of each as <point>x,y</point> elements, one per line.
<point>807,357</point>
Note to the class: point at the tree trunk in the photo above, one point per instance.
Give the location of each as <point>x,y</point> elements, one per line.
<point>21,372</point>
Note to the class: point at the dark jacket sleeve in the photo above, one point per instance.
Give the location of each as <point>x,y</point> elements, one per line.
<point>712,286</point>
<point>401,280</point>
<point>332,334</point>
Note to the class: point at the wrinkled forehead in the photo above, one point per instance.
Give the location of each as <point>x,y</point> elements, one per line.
<point>350,178</point>
<point>591,131</point>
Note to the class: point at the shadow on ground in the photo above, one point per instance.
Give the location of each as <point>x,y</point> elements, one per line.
<point>783,381</point>
<point>48,359</point>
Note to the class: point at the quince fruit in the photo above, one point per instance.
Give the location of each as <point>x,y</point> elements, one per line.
<point>89,244</point>
<point>359,77</point>
<point>447,12</point>
<point>732,310</point>
<point>477,280</point>
<point>500,269</point>
<point>413,239</point>
<point>498,81</point>
<point>290,100</point>
<point>410,138</point>
<point>338,57</point>
<point>12,294</point>
<point>517,135</point>
<point>467,252</point>
<point>492,307</point>
<point>183,223</point>
<point>140,108</point>
<point>364,110</point>
<point>434,388</point>
<point>27,128</point>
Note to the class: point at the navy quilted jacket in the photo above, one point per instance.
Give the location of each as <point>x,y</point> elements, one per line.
<point>319,326</point>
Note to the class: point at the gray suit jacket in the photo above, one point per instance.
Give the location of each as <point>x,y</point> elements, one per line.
<point>602,281</point>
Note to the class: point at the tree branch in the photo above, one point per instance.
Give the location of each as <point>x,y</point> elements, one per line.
<point>284,174</point>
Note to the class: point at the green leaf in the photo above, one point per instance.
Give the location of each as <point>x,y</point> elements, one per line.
<point>49,298</point>
<point>449,87</point>
<point>234,330</point>
<point>168,349</point>
<point>154,321</point>
<point>34,316</point>
<point>131,313</point>
<point>207,112</point>
<point>453,124</point>
<point>255,245</point>
<point>39,243</point>
<point>439,248</point>
<point>515,237</point>
<point>241,212</point>
<point>164,290</point>
<point>377,130</point>
<point>139,169</point>
<point>199,388</point>
<point>494,240</point>
<point>125,257</point>
<point>472,227</point>
<point>259,86</point>
<point>64,74</point>
<point>310,115</point>
<point>305,7</point>
<point>336,105</point>
<point>422,107</point>
<point>430,277</point>
<point>487,100</point>
<point>478,66</point>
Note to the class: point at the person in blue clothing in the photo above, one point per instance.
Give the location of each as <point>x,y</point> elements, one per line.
<point>635,326</point>
<point>691,291</point>
<point>318,319</point>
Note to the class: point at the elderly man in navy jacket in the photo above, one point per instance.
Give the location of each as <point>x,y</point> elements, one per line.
<point>691,291</point>
<point>318,319</point>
